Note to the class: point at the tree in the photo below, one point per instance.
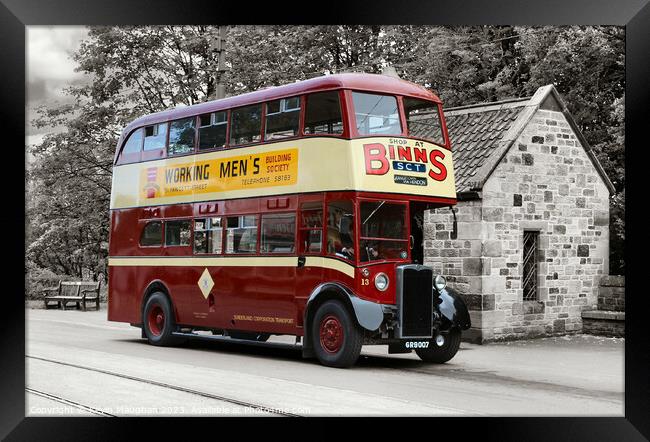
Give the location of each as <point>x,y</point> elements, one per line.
<point>139,70</point>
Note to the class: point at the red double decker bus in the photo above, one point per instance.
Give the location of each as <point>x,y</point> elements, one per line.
<point>294,210</point>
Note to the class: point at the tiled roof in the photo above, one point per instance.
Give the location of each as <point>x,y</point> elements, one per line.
<point>481,134</point>
<point>475,133</point>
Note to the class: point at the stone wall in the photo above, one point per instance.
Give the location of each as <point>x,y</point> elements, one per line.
<point>546,183</point>
<point>609,319</point>
<point>611,293</point>
<point>604,323</point>
<point>459,260</point>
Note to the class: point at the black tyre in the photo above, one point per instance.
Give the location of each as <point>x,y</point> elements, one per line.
<point>249,336</point>
<point>158,321</point>
<point>336,336</point>
<point>441,354</point>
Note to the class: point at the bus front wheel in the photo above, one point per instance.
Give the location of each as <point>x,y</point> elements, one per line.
<point>439,354</point>
<point>158,321</point>
<point>336,336</point>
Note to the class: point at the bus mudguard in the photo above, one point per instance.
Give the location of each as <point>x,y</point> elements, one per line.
<point>369,314</point>
<point>453,310</point>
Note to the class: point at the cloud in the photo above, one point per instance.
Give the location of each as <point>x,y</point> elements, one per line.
<point>50,68</point>
<point>49,64</point>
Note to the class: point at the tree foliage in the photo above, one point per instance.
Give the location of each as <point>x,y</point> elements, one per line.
<point>138,70</point>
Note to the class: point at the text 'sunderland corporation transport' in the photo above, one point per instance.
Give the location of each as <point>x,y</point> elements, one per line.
<point>295,210</point>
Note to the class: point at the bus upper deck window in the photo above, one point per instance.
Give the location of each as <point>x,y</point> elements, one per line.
<point>323,114</point>
<point>181,136</point>
<point>282,118</point>
<point>423,120</point>
<point>246,125</point>
<point>155,136</point>
<point>212,130</point>
<point>132,147</point>
<point>376,114</point>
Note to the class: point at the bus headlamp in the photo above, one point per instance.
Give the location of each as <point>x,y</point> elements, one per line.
<point>440,282</point>
<point>381,282</point>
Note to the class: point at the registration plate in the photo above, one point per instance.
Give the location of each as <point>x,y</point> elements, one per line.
<point>416,344</point>
<point>407,346</point>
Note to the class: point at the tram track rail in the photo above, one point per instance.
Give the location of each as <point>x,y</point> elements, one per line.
<point>264,408</point>
<point>68,402</point>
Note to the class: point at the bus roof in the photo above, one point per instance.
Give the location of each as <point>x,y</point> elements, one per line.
<point>357,81</point>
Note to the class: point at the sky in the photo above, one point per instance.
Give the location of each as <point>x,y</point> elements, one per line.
<point>50,69</point>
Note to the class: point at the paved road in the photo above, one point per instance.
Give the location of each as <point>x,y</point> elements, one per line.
<point>80,364</point>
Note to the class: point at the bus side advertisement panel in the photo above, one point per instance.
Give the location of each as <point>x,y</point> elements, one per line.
<point>378,164</point>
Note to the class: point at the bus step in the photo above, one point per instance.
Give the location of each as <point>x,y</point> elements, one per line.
<point>228,339</point>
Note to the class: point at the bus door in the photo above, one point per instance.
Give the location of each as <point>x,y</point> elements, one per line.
<point>310,248</point>
<point>416,241</point>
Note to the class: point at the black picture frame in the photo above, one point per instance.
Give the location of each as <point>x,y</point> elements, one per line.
<point>16,14</point>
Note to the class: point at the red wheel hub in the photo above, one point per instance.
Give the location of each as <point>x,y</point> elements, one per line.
<point>156,320</point>
<point>331,334</point>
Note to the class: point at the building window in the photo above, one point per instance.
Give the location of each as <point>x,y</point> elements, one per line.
<point>246,125</point>
<point>323,114</point>
<point>181,136</point>
<point>376,114</point>
<point>177,233</point>
<point>529,278</point>
<point>282,118</point>
<point>278,233</point>
<point>212,132</point>
<point>207,235</point>
<point>241,236</point>
<point>151,234</point>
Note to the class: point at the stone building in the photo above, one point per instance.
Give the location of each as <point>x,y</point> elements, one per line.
<point>532,239</point>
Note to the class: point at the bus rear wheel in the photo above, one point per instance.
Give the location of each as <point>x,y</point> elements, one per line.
<point>336,336</point>
<point>439,354</point>
<point>158,321</point>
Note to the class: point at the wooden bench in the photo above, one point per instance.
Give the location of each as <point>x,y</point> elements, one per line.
<point>78,292</point>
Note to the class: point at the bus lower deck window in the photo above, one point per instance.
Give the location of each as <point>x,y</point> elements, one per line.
<point>340,229</point>
<point>177,233</point>
<point>278,233</point>
<point>207,235</point>
<point>151,234</point>
<point>311,227</point>
<point>241,234</point>
<point>383,232</point>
